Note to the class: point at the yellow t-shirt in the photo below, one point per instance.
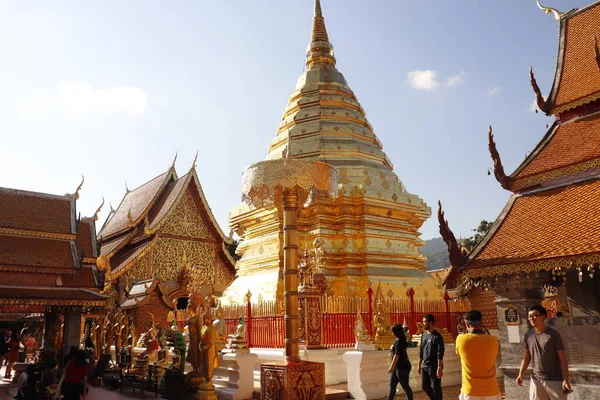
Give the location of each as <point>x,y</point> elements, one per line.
<point>478,352</point>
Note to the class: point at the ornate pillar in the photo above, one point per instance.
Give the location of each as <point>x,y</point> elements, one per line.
<point>290,273</point>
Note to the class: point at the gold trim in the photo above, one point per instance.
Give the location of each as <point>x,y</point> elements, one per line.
<point>43,270</point>
<point>89,260</point>
<point>553,174</point>
<point>568,262</point>
<point>110,275</point>
<point>49,235</point>
<point>576,103</point>
<point>47,302</point>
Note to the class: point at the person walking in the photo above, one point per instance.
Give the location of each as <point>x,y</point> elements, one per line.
<point>399,369</point>
<point>74,380</point>
<point>431,359</point>
<point>478,351</point>
<point>544,346</point>
<point>14,345</point>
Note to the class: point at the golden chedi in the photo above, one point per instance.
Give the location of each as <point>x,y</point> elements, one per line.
<point>370,231</point>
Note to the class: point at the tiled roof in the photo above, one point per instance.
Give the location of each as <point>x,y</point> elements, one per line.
<point>166,201</point>
<point>33,211</point>
<point>121,260</point>
<point>571,143</point>
<point>108,247</point>
<point>83,279</point>
<point>43,293</point>
<point>86,238</point>
<point>578,74</point>
<point>543,225</point>
<point>136,202</point>
<point>44,254</point>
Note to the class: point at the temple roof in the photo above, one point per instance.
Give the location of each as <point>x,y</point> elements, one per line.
<point>41,241</point>
<point>132,229</point>
<point>567,149</point>
<point>566,219</point>
<point>51,296</point>
<point>577,76</point>
<point>135,205</point>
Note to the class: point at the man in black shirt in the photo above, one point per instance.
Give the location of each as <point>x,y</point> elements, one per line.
<point>431,359</point>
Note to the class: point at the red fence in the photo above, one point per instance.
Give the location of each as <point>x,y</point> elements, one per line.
<point>266,327</point>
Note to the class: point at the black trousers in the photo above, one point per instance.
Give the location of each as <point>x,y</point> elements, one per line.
<point>431,384</point>
<point>400,376</point>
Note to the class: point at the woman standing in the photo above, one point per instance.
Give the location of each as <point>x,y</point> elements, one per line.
<point>400,367</point>
<point>74,380</point>
<point>14,345</point>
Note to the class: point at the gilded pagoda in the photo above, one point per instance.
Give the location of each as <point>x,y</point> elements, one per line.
<point>161,242</point>
<point>370,232</point>
<point>543,247</point>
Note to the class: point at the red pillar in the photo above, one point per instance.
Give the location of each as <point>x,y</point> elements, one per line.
<point>249,319</point>
<point>413,318</point>
<point>448,324</point>
<point>370,321</point>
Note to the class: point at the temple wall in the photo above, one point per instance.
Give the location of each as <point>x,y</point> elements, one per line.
<point>581,334</point>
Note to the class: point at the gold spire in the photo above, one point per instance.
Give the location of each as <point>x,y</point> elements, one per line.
<point>320,51</point>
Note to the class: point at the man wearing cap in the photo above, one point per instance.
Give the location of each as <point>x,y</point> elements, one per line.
<point>478,351</point>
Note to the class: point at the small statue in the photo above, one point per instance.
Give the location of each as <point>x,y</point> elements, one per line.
<point>551,301</point>
<point>194,325</point>
<point>461,328</point>
<point>363,339</point>
<point>420,329</point>
<point>108,334</point>
<point>221,329</point>
<point>210,360</point>
<point>236,342</point>
<point>384,338</point>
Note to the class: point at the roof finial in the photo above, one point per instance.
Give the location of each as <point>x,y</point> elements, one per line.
<point>539,99</point>
<point>174,159</point>
<point>126,188</point>
<point>549,10</point>
<point>320,51</point>
<point>98,210</point>
<point>195,159</point>
<point>112,210</point>
<point>79,188</point>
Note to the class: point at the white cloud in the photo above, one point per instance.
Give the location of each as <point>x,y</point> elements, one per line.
<point>455,79</point>
<point>533,106</point>
<point>423,80</point>
<point>82,98</point>
<point>494,91</point>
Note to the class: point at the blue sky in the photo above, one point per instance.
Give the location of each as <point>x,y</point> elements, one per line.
<point>113,89</point>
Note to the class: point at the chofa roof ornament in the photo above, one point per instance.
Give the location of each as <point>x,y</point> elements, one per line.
<point>548,10</point>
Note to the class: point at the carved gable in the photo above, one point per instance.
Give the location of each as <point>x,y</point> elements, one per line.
<point>185,220</point>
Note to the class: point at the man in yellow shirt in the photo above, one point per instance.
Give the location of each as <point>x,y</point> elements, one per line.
<point>478,351</point>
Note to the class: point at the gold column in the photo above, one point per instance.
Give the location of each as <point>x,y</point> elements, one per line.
<point>290,273</point>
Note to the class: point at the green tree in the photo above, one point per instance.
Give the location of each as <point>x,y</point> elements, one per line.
<point>480,231</point>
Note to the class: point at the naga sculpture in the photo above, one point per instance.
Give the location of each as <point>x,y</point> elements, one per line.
<point>539,99</point>
<point>454,252</point>
<point>498,168</point>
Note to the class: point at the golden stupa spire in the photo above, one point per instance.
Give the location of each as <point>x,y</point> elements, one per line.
<point>320,50</point>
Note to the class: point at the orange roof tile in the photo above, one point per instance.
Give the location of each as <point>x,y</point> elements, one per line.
<point>45,254</point>
<point>33,211</point>
<point>86,239</point>
<point>136,202</point>
<point>571,143</point>
<point>579,75</point>
<point>542,225</point>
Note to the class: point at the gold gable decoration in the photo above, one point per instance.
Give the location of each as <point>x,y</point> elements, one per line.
<point>185,220</point>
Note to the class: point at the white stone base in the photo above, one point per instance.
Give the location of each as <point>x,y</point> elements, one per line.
<point>234,379</point>
<point>368,377</point>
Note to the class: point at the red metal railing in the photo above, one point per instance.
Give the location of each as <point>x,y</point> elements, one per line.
<point>266,327</point>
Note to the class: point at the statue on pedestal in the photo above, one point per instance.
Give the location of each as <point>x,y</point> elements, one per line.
<point>236,342</point>
<point>363,339</point>
<point>220,328</point>
<point>208,350</point>
<point>108,334</point>
<point>552,301</point>
<point>384,338</point>
<point>194,325</point>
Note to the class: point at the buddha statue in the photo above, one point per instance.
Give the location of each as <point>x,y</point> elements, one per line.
<point>236,342</point>
<point>220,328</point>
<point>551,301</point>
<point>208,350</point>
<point>361,333</point>
<point>194,326</point>
<point>384,338</point>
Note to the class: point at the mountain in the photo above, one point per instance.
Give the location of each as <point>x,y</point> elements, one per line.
<point>436,252</point>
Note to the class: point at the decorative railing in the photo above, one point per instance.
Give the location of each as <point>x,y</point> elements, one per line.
<point>265,321</point>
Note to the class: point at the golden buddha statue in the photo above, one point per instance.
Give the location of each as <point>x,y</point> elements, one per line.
<point>108,334</point>
<point>210,359</point>
<point>220,328</point>
<point>384,338</point>
<point>194,326</point>
<point>361,333</point>
<point>552,301</point>
<point>236,342</point>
